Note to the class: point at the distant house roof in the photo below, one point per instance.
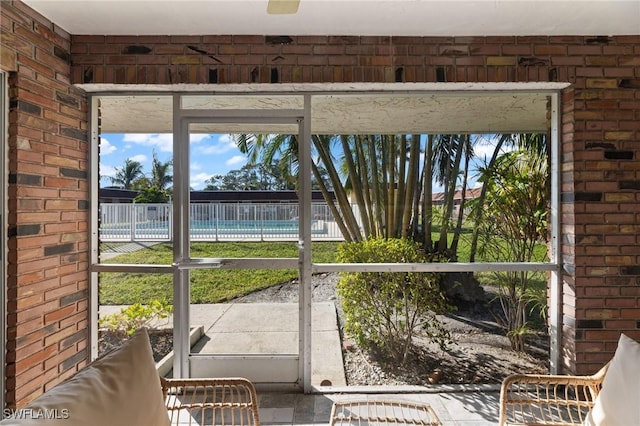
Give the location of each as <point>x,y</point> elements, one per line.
<point>117,195</point>
<point>471,193</point>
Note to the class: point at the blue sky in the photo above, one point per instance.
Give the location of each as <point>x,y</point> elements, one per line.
<point>210,154</point>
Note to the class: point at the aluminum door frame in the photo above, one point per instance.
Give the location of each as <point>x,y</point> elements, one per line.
<point>182,261</point>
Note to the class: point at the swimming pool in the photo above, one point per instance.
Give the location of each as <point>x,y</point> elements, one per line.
<point>208,229</point>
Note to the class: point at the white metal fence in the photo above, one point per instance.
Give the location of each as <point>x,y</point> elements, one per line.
<point>215,222</point>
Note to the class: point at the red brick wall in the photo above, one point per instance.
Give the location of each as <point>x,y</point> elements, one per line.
<point>600,131</point>
<point>47,315</point>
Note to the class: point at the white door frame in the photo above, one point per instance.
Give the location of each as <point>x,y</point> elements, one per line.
<point>294,369</point>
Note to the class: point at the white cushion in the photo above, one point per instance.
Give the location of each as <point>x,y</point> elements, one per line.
<point>121,388</point>
<point>618,403</point>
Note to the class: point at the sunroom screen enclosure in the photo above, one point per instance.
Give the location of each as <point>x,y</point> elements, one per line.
<point>304,110</point>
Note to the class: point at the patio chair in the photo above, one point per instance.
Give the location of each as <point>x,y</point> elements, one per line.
<point>537,399</point>
<point>224,401</point>
<point>382,412</point>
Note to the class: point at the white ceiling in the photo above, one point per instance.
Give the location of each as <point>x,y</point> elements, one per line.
<point>345,17</point>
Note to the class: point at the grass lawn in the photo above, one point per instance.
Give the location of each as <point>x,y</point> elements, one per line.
<point>207,285</point>
<point>220,285</point>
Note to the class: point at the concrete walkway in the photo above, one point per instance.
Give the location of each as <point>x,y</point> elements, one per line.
<point>269,329</point>
<point>262,328</point>
<point>115,249</point>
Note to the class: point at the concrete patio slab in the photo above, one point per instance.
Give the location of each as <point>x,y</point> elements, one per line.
<point>272,328</point>
<point>265,328</point>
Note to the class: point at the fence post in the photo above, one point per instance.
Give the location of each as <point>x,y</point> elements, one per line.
<point>170,219</point>
<point>260,208</point>
<point>216,218</point>
<point>132,216</point>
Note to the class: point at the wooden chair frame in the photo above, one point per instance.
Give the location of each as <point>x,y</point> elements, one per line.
<point>382,412</point>
<point>536,400</point>
<point>228,401</point>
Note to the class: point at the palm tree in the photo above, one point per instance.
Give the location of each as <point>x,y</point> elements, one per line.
<point>535,144</point>
<point>447,152</point>
<point>516,206</point>
<point>283,151</point>
<point>160,176</point>
<point>478,211</point>
<point>126,176</point>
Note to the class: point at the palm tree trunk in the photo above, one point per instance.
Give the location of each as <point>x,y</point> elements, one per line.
<point>463,197</point>
<point>480,202</point>
<point>427,202</point>
<point>356,183</point>
<point>451,181</point>
<point>391,189</point>
<point>385,187</point>
<point>378,201</point>
<point>332,206</point>
<point>365,177</point>
<point>412,180</point>
<point>401,159</point>
<point>339,191</point>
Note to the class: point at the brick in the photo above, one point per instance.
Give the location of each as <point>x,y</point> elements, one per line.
<point>630,313</point>
<point>58,336</point>
<point>58,249</point>
<point>72,298</point>
<point>73,361</point>
<point>619,260</point>
<point>57,292</point>
<point>589,324</point>
<point>74,338</point>
<point>601,83</point>
<point>59,314</point>
<point>41,99</point>
<point>619,135</point>
<point>74,133</point>
<point>185,60</point>
<point>79,320</point>
<point>169,50</point>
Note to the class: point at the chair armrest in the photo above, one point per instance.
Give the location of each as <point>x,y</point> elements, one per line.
<point>537,399</point>
<point>229,401</point>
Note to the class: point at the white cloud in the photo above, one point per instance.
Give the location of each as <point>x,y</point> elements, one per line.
<point>235,160</point>
<point>198,137</point>
<point>197,181</point>
<point>225,143</point>
<point>483,149</point>
<point>226,138</point>
<point>162,141</point>
<point>105,147</point>
<point>107,171</point>
<point>140,158</point>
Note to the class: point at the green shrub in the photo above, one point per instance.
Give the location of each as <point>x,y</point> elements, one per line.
<point>383,310</point>
<point>136,316</point>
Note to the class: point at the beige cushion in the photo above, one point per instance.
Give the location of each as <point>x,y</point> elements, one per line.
<point>618,403</point>
<point>121,388</point>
